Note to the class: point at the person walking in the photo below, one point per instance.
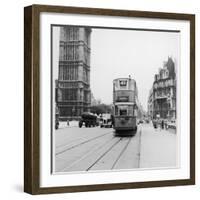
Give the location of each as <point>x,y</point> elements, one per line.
<point>162,124</point>
<point>155,123</point>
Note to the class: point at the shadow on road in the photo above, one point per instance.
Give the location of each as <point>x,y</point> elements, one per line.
<point>125,133</point>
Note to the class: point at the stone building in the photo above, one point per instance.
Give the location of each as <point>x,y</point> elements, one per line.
<point>73,95</point>
<point>162,96</point>
<point>150,104</point>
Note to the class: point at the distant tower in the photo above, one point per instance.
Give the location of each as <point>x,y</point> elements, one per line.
<point>73,92</point>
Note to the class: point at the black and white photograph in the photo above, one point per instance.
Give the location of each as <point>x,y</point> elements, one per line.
<point>109,99</point>
<point>114,99</point>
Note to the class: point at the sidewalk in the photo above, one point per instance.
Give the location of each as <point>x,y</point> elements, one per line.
<point>158,148</point>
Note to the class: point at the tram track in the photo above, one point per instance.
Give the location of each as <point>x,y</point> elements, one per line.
<point>113,157</point>
<point>100,157</point>
<point>81,143</point>
<point>87,155</point>
<point>130,155</point>
<point>68,141</point>
<point>121,153</point>
<point>102,152</point>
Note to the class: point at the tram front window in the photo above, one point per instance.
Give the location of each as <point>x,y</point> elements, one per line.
<point>123,112</point>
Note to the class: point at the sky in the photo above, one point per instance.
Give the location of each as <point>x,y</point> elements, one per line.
<point>117,53</point>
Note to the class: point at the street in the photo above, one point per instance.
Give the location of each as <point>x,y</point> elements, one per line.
<point>84,149</point>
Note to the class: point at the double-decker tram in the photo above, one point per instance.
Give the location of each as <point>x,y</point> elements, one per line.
<point>125,98</point>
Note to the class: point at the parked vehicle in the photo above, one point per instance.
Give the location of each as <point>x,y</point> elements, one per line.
<point>171,124</point>
<point>140,121</point>
<point>106,120</point>
<point>88,119</point>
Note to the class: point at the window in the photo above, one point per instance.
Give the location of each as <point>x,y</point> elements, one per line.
<point>167,74</point>
<point>123,112</point>
<point>116,110</point>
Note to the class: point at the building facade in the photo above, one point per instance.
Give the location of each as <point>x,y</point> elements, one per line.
<point>162,96</point>
<point>73,95</point>
<point>150,104</point>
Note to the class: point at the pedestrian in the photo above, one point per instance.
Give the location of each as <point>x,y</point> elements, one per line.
<point>67,122</point>
<point>154,124</point>
<point>162,124</point>
<point>166,124</point>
